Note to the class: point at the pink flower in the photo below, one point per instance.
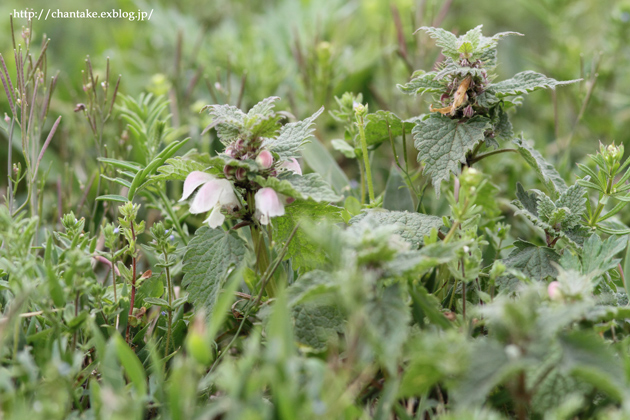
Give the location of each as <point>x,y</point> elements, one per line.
<point>265,159</point>
<point>292,165</point>
<point>214,194</point>
<point>553,290</point>
<point>268,205</point>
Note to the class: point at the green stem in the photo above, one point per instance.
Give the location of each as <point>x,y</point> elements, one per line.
<point>260,248</point>
<point>169,284</point>
<point>174,218</point>
<point>366,159</point>
<point>494,152</point>
<point>600,205</point>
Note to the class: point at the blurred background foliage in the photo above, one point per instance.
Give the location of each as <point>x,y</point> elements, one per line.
<point>307,52</point>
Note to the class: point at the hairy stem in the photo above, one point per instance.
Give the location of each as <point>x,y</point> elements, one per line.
<point>169,284</point>
<point>366,159</point>
<point>476,159</point>
<point>132,299</point>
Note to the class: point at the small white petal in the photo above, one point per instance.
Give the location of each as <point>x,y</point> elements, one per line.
<point>227,197</point>
<point>207,197</point>
<point>292,165</point>
<point>193,180</point>
<point>216,218</point>
<point>268,204</point>
<point>264,220</point>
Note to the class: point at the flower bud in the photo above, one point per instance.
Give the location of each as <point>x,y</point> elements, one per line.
<point>229,171</point>
<point>265,159</point>
<point>360,110</point>
<point>197,343</point>
<point>469,111</point>
<point>7,119</point>
<point>230,151</point>
<point>240,174</point>
<point>553,290</point>
<point>470,178</point>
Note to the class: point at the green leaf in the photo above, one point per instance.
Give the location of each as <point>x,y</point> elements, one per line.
<point>227,120</point>
<point>179,167</point>
<point>343,147</point>
<point>586,356</point>
<point>381,124</point>
<point>427,305</point>
<point>156,301</point>
<point>397,193</point>
<point>304,254</point>
<point>316,324</point>
<point>574,199</point>
<point>310,285</point>
<point>388,320</point>
<point>528,201</point>
<point>131,364</point>
<point>547,174</point>
<point>321,161</point>
<point>210,256</point>
<point>422,84</point>
<point>599,257</point>
<point>443,144</point>
<point>112,197</point>
<point>310,186</point>
<point>292,137</point>
<point>412,227</point>
<point>446,40</point>
<point>525,82</point>
<point>533,261</point>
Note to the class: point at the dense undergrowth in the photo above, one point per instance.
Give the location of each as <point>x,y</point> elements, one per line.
<point>217,262</point>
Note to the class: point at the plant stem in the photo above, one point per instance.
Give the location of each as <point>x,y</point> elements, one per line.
<point>169,284</point>
<point>132,299</point>
<point>366,159</point>
<point>600,205</point>
<point>173,216</point>
<point>260,249</point>
<point>494,152</point>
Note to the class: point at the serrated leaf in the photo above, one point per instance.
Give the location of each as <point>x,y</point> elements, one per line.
<point>443,144</point>
<point>446,40</point>
<point>548,175</point>
<point>586,356</point>
<point>209,257</point>
<point>310,186</point>
<point>310,285</point>
<point>574,199</point>
<point>425,83</point>
<point>533,261</point>
<point>598,256</point>
<point>528,201</point>
<point>264,108</point>
<point>388,318</point>
<point>412,227</point>
<point>525,82</point>
<point>315,324</point>
<point>291,138</point>
<point>419,262</point>
<point>303,253</point>
<point>227,120</point>
<point>179,167</point>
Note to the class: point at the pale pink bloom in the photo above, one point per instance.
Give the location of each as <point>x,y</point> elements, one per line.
<point>553,290</point>
<point>268,205</point>
<point>265,159</point>
<point>292,165</point>
<point>214,194</point>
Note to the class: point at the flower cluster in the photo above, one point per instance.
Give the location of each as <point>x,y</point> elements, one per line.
<point>237,186</point>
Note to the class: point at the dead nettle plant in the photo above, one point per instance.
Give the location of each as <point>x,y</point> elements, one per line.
<point>29,94</point>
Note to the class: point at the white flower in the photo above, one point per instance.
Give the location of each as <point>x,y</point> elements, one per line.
<point>214,194</point>
<point>292,165</point>
<point>268,205</point>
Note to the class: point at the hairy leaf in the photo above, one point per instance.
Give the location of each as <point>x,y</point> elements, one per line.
<point>533,261</point>
<point>376,127</point>
<point>315,324</point>
<point>292,136</point>
<point>310,186</point>
<point>412,227</point>
<point>304,254</point>
<point>526,82</point>
<point>443,144</point>
<point>548,175</point>
<point>422,84</point>
<point>210,256</point>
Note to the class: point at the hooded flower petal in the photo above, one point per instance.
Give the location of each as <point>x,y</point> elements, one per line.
<point>268,205</point>
<point>292,165</point>
<point>207,197</point>
<point>227,197</point>
<point>216,218</point>
<point>194,180</point>
<point>265,159</point>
